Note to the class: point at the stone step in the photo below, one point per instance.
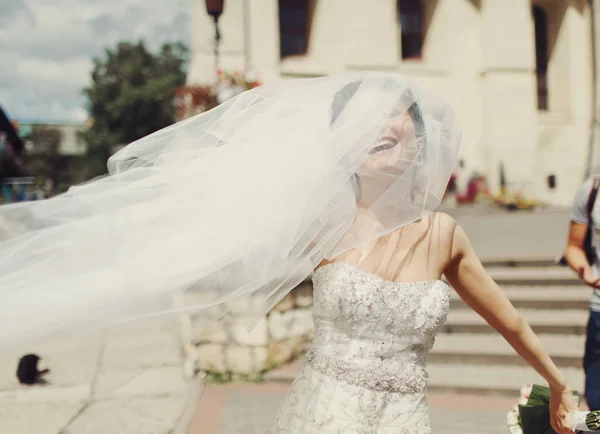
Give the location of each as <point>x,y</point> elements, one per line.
<point>533,275</point>
<point>491,380</point>
<point>568,321</point>
<point>514,262</point>
<point>538,297</point>
<point>463,348</point>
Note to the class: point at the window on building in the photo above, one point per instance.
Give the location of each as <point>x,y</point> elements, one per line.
<point>412,28</point>
<point>293,27</point>
<point>540,20</point>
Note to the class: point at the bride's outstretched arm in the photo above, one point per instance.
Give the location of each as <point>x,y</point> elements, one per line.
<point>475,286</point>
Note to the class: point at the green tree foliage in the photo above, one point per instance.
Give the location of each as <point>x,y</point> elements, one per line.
<point>131,96</point>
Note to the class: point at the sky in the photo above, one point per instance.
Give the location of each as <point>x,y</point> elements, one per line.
<point>47,47</point>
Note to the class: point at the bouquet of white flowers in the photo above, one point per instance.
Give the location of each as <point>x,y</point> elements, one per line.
<point>531,414</point>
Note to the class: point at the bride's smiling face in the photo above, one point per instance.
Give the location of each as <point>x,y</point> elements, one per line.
<point>399,146</point>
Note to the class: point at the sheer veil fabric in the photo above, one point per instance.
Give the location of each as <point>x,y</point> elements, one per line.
<point>239,203</point>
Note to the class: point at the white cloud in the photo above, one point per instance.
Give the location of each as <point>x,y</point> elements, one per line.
<point>46,47</point>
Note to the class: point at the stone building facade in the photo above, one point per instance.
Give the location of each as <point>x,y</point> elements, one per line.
<point>517,72</point>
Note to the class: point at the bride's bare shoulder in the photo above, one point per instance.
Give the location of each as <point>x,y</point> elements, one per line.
<point>446,220</point>
<point>439,221</point>
<point>442,225</point>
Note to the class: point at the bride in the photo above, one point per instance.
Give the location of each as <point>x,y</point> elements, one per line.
<point>337,175</point>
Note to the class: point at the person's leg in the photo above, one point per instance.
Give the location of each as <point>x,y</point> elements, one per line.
<point>591,362</point>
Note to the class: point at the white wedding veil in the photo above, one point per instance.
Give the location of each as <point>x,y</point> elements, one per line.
<point>237,205</point>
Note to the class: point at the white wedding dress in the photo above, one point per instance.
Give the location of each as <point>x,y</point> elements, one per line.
<point>366,370</point>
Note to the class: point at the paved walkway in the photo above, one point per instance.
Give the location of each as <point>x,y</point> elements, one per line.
<point>126,380</point>
<point>523,235</point>
<point>243,408</point>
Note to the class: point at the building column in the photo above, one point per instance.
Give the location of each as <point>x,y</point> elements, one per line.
<point>594,152</point>
<point>509,112</point>
<point>264,38</point>
<point>371,42</point>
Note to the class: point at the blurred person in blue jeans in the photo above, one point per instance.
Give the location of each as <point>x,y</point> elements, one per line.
<point>581,255</point>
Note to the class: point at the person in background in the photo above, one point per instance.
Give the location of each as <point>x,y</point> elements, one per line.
<point>582,257</point>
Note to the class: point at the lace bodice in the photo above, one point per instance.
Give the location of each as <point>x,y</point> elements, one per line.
<point>366,324</point>
<point>365,372</point>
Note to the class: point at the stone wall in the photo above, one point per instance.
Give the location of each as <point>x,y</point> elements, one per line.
<point>226,347</point>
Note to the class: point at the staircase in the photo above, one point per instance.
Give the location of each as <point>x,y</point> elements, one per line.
<point>471,357</point>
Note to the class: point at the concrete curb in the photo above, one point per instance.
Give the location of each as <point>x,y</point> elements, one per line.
<point>196,390</point>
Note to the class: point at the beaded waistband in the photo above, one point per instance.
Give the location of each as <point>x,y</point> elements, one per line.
<point>407,378</point>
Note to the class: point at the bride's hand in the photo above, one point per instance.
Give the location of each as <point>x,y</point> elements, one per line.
<point>562,408</point>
